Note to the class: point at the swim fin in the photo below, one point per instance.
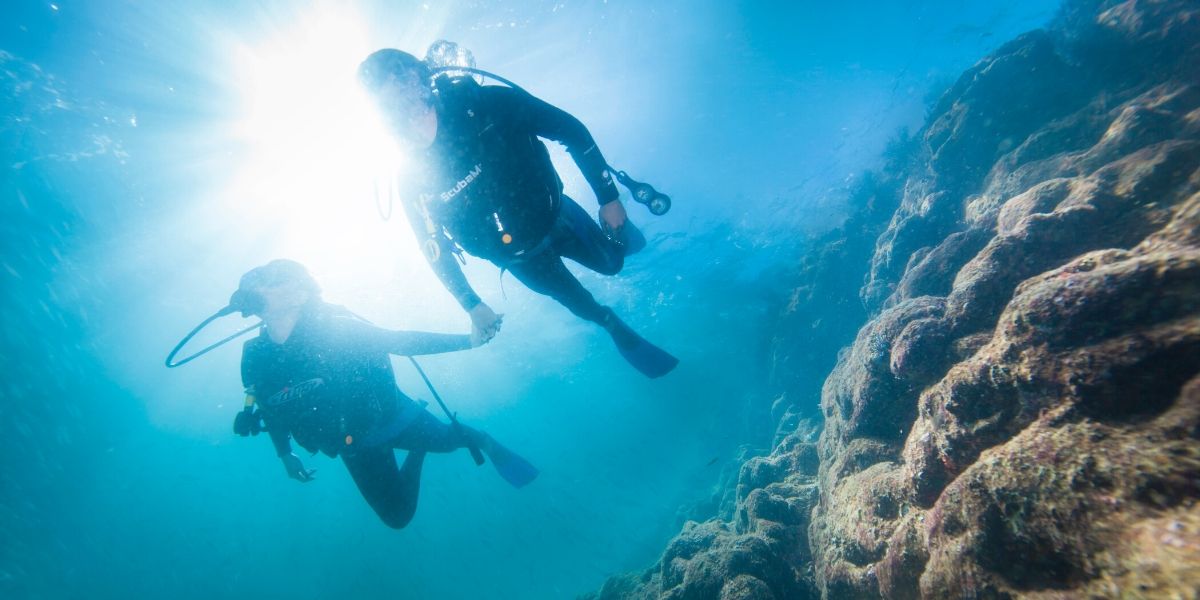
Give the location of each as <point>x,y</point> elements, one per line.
<point>651,360</point>
<point>517,471</point>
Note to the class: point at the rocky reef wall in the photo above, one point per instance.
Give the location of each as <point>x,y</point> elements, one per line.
<point>1020,413</point>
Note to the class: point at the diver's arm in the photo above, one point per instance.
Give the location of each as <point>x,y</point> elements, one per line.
<point>441,257</point>
<point>255,351</point>
<point>485,323</point>
<point>281,440</point>
<point>292,464</point>
<point>251,355</point>
<point>553,123</point>
<point>416,343</point>
<point>439,253</point>
<point>404,343</point>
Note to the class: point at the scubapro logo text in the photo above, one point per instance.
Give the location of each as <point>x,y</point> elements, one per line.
<point>462,184</point>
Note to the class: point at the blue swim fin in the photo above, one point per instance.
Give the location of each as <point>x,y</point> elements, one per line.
<point>652,361</point>
<point>517,471</point>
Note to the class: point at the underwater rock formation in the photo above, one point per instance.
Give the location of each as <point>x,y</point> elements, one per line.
<point>822,313</point>
<point>1020,413</point>
<point>755,555</point>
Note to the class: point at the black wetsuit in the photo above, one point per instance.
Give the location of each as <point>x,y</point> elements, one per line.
<point>330,386</point>
<point>489,186</point>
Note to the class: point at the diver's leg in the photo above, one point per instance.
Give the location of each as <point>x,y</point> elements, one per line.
<point>391,491</point>
<point>428,434</point>
<point>547,275</point>
<point>578,237</point>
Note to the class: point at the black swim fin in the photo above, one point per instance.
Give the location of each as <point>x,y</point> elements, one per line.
<point>517,471</point>
<point>652,361</point>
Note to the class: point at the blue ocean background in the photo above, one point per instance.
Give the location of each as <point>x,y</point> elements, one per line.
<point>153,152</point>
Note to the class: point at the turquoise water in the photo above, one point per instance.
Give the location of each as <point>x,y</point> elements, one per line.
<point>153,153</point>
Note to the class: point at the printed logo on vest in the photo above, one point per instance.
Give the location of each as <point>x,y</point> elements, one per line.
<point>292,392</point>
<point>462,184</point>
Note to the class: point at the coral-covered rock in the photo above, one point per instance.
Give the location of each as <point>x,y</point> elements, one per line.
<point>762,554</point>
<point>1020,414</point>
<point>861,397</point>
<point>931,272</point>
<point>997,104</point>
<point>822,313</point>
<point>1057,386</point>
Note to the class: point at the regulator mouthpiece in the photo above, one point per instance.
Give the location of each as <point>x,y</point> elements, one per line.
<point>247,303</point>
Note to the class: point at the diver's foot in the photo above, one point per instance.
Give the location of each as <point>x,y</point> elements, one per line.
<point>623,335</point>
<point>474,438</point>
<point>647,358</point>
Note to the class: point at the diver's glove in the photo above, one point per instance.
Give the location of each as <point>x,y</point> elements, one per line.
<point>248,423</point>
<point>295,469</point>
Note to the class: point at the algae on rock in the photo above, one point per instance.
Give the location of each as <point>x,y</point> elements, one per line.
<point>1019,413</point>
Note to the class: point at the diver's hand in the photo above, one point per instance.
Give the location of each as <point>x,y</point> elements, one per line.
<point>485,324</point>
<point>295,468</point>
<point>612,216</point>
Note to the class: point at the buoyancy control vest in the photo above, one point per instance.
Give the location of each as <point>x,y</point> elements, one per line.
<point>320,386</point>
<point>491,183</point>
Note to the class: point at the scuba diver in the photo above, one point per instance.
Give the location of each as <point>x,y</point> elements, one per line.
<point>486,184</point>
<point>320,375</point>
